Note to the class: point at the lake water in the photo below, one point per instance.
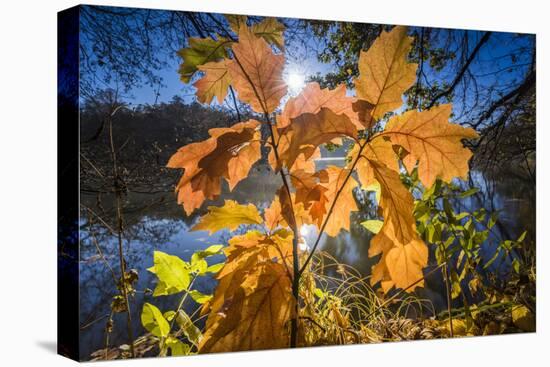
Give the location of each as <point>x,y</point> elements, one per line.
<point>156,222</point>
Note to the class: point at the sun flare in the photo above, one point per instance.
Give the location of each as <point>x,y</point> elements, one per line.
<point>295,81</point>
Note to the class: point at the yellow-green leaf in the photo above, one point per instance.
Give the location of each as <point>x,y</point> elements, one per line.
<point>192,332</point>
<point>373,225</point>
<point>177,347</point>
<point>271,30</point>
<point>210,251</point>
<point>230,216</point>
<point>214,268</point>
<point>199,52</point>
<point>199,297</point>
<point>172,273</point>
<point>235,21</point>
<point>153,320</point>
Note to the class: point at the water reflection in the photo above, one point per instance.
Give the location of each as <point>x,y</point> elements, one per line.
<point>164,227</point>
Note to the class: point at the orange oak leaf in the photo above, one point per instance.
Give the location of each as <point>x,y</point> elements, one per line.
<point>340,217</point>
<point>228,154</point>
<point>256,314</point>
<point>277,216</point>
<point>243,254</point>
<point>380,150</point>
<point>257,73</point>
<point>301,163</point>
<point>214,83</point>
<point>404,254</point>
<point>312,98</point>
<point>432,141</point>
<point>384,72</point>
<point>294,213</point>
<point>272,215</point>
<point>311,193</point>
<point>308,131</point>
<point>307,165</point>
<point>253,295</point>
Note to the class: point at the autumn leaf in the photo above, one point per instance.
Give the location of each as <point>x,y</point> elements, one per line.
<point>272,215</point>
<point>433,142</point>
<point>257,73</point>
<point>340,217</point>
<point>214,83</point>
<point>235,21</point>
<point>199,52</point>
<point>294,213</point>
<point>253,293</point>
<point>380,150</point>
<point>384,72</point>
<point>306,164</point>
<point>230,216</point>
<point>311,193</point>
<point>312,98</point>
<point>404,254</point>
<point>271,30</point>
<point>308,131</point>
<point>228,154</point>
<point>256,315</point>
<point>301,163</point>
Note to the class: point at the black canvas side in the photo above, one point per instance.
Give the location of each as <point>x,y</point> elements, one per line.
<point>67,183</point>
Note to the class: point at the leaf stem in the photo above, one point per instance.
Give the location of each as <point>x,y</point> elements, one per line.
<point>448,291</point>
<point>293,225</point>
<point>325,222</point>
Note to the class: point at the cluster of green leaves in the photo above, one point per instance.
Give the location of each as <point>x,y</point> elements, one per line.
<point>459,239</point>
<point>176,276</point>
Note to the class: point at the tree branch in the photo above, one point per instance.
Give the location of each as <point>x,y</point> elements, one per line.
<point>462,71</point>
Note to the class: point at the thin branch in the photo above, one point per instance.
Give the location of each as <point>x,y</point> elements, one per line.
<point>462,71</point>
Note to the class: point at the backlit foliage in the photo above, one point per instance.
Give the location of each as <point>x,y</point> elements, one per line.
<point>254,305</point>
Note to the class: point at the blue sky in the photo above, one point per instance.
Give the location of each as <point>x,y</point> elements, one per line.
<point>302,61</point>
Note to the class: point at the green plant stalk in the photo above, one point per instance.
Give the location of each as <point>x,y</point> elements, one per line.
<point>448,291</point>
<point>180,305</point>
